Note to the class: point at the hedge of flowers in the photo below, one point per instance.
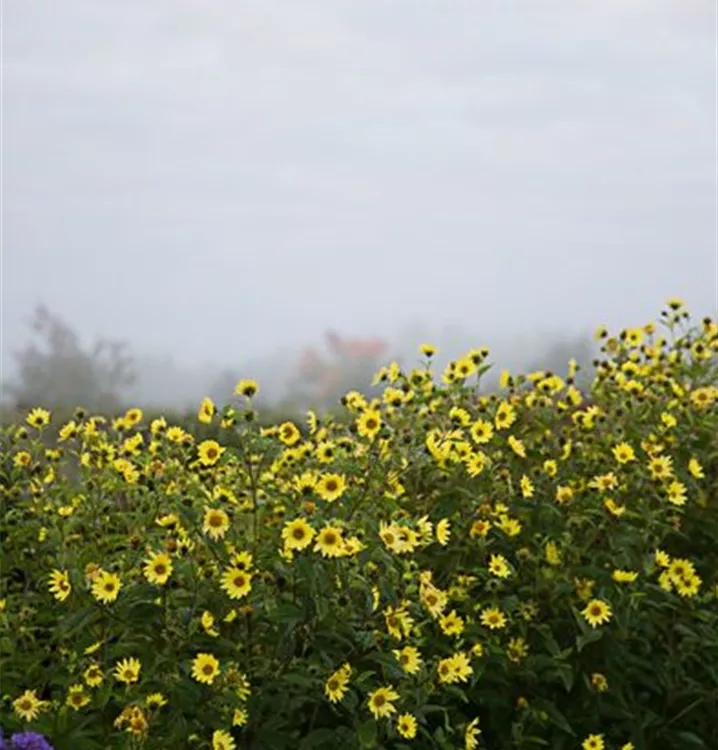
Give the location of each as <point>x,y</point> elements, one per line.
<point>441,567</point>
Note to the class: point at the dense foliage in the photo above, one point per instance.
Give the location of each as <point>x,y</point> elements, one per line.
<point>441,568</point>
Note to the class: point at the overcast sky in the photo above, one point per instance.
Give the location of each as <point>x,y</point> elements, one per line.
<point>209,178</point>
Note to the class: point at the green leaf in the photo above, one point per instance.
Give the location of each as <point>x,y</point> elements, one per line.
<point>367,733</point>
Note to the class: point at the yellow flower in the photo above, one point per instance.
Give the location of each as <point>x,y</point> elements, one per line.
<point>93,675</point>
<point>599,681</point>
<point>28,705</point>
<point>493,618</point>
<point>59,585</point>
<point>553,554</point>
<point>456,668</point>
<point>409,658</point>
<point>471,734</point>
<point>663,559</point>
<point>443,531</point>
<point>106,587</point>
<point>335,687</point>
<point>499,566</point>
<point>517,649</point>
<point>428,350</point>
<point>132,417</point>
<point>330,487</point>
<point>695,469</point>
<point>329,542</point>
<point>222,740</point>
<point>246,388</point>
<point>297,534</point>
<point>289,433</point>
<point>677,493</point>
<point>624,576</point>
<point>237,583</point>
<point>128,670</point>
<point>207,622</point>
<point>451,624</point>
<point>369,423</point>
<point>158,568</point>
<point>406,726</point>
<point>155,700</point>
<point>38,418</point>
<point>505,416</point>
<point>527,487</point>
<point>380,702</point>
<point>597,612</point>
<point>207,410</point>
<point>216,523</point>
<point>205,668</point>
<point>624,453</point>
<point>209,452</point>
<point>240,717</point>
<point>76,697</point>
<point>593,742</point>
<point>482,431</point>
<point>517,446</point>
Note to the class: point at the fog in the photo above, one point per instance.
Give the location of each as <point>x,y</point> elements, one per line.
<point>219,184</point>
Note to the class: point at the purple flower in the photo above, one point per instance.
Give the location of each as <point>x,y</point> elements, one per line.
<point>29,741</point>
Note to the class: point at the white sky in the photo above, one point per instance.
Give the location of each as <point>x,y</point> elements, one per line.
<point>215,179</point>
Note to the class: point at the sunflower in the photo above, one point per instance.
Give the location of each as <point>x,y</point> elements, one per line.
<point>158,568</point>
<point>76,697</point>
<point>624,453</point>
<point>216,523</point>
<point>132,417</point>
<point>452,624</point>
<point>209,452</point>
<point>331,486</point>
<point>471,734</point>
<point>593,742</point>
<point>330,542</point>
<point>369,423</point>
<point>677,493</point>
<point>527,487</point>
<point>599,682</point>
<point>236,582</point>
<point>505,416</point>
<point>517,649</point>
<point>28,705</point>
<point>59,585</point>
<point>597,612</point>
<point>517,446</point>
<point>205,667</point>
<point>335,687</point>
<point>493,618</point>
<point>106,587</point>
<point>93,675</point>
<point>406,726</point>
<point>222,740</point>
<point>246,388</point>
<point>499,566</point>
<point>482,431</point>
<point>38,418</point>
<point>297,534</point>
<point>624,576</point>
<point>443,532</point>
<point>128,670</point>
<point>240,717</point>
<point>289,433</point>
<point>380,702</point>
<point>207,410</point>
<point>409,658</point>
<point>155,700</point>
